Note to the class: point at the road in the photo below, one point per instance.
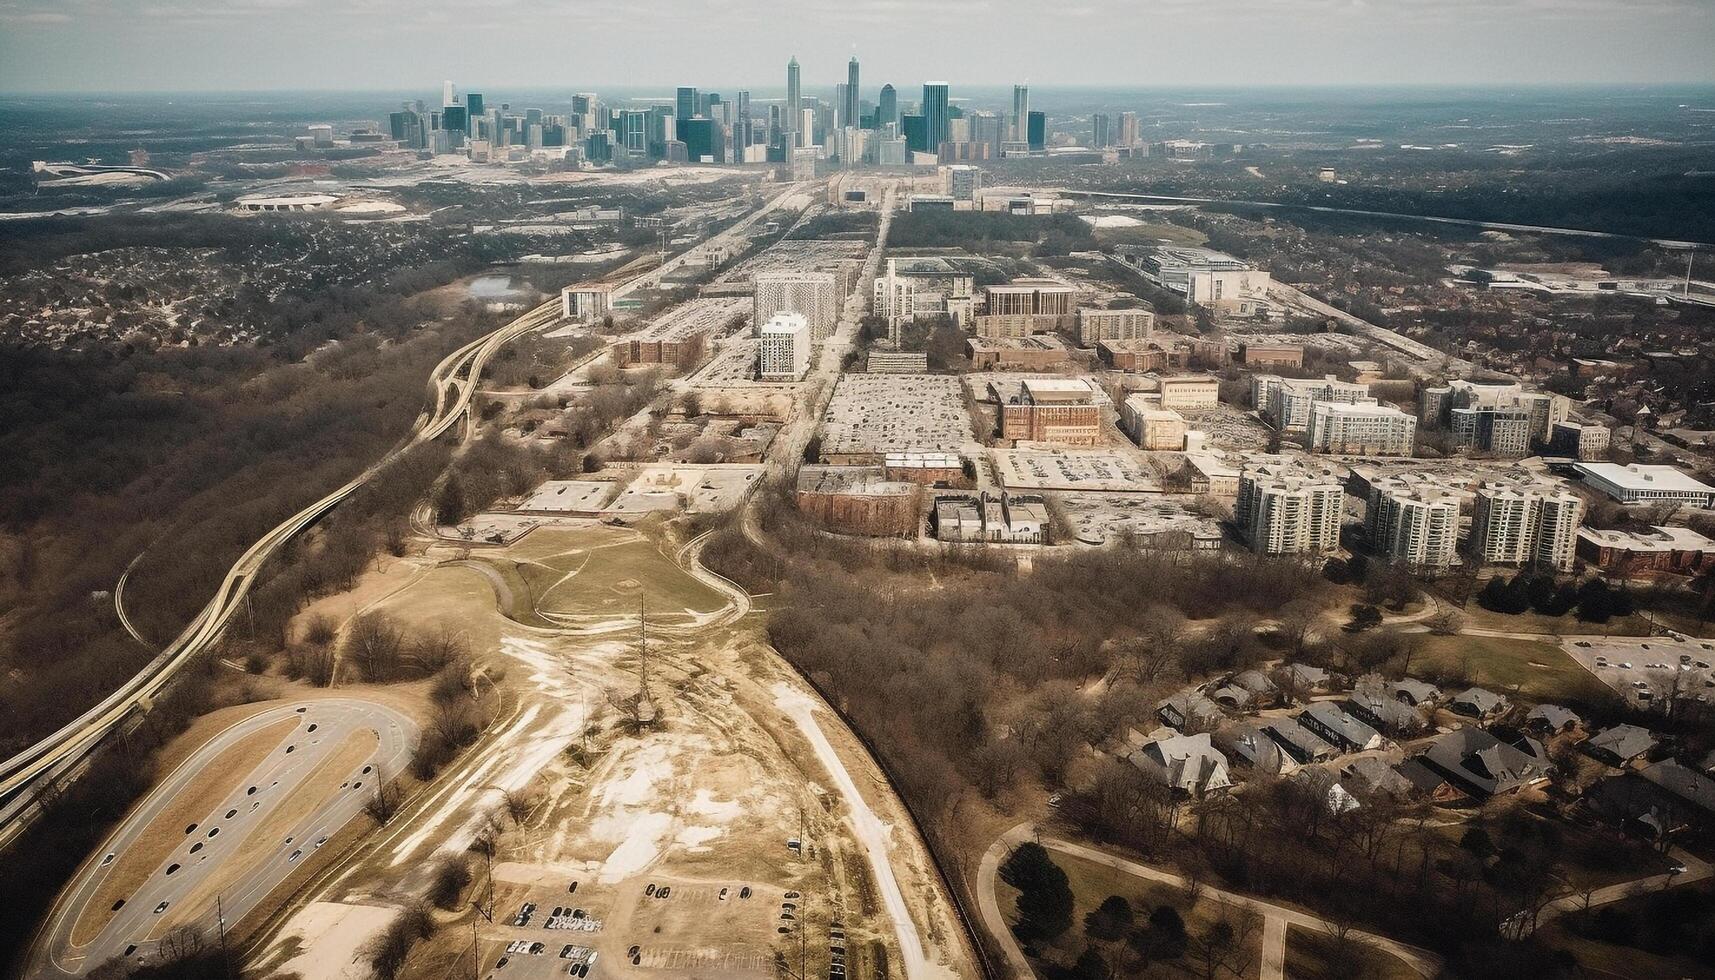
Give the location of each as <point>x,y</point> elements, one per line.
<point>1276,918</point>
<point>1382,335</point>
<point>454,380</point>
<point>184,880</point>
<point>23,775</point>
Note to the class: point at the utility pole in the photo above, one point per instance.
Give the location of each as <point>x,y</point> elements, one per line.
<point>220,923</point>
<point>475,957</point>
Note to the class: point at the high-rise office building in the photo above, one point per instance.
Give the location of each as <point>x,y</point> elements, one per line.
<point>853,99</point>
<point>841,120</point>
<point>1101,131</point>
<point>794,105</point>
<point>633,129</point>
<point>815,295</point>
<point>1036,130</point>
<point>1020,113</point>
<point>446,94</point>
<point>473,105</point>
<point>698,135</point>
<point>915,129</point>
<point>784,351</point>
<point>934,115</point>
<point>887,110</point>
<point>685,106</point>
<point>741,127</point>
<point>1129,134</point>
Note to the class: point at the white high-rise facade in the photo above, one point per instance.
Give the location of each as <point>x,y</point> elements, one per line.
<point>814,294</point>
<point>1289,509</point>
<point>1414,525</point>
<point>1360,429</point>
<point>1525,524</point>
<point>784,351</point>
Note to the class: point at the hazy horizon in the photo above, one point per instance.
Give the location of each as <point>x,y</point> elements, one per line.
<point>137,46</point>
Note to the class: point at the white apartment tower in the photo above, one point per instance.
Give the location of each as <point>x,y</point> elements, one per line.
<point>1414,525</point>
<point>1289,510</point>
<point>816,295</point>
<point>1524,524</point>
<point>1361,430</point>
<point>784,352</point>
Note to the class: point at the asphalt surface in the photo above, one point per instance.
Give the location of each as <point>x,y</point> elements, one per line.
<point>274,780</point>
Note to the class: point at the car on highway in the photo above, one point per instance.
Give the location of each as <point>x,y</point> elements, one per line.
<point>109,858</point>
<point>160,908</point>
<point>320,841</point>
<point>295,855</point>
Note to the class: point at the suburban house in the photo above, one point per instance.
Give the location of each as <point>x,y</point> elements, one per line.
<point>1428,783</point>
<point>1474,702</point>
<point>1371,775</point>
<point>1187,763</point>
<point>1552,719</point>
<point>1373,707</point>
<point>1190,709</point>
<point>1303,745</point>
<point>1303,679</point>
<point>1246,691</point>
<point>1414,692</point>
<point>1253,746</point>
<point>1620,744</point>
<point>1339,729</point>
<point>1657,800</point>
<point>1482,765</point>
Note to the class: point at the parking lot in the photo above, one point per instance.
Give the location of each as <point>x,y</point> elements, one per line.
<point>1646,670</point>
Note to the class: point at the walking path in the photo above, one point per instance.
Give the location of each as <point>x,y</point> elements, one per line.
<point>1276,918</point>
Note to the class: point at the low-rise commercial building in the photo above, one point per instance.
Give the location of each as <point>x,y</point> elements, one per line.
<point>1202,276</point>
<point>859,500</point>
<point>992,519</point>
<point>1254,355</point>
<point>1034,353</point>
<point>1063,411</point>
<point>1676,550</point>
<point>1027,306</point>
<point>1641,483</point>
<point>1192,392</point>
<point>1151,426</point>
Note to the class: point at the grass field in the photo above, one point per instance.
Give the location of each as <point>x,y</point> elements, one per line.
<point>1309,954</point>
<point>1091,883</point>
<point>1540,671</point>
<point>582,576</point>
<point>1151,233</point>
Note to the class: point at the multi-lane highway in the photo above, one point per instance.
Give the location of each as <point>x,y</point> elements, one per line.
<point>59,754</point>
<point>454,381</point>
<point>296,774</point>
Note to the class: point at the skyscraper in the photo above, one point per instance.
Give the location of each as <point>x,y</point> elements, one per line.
<point>686,106</point>
<point>1036,130</point>
<point>473,105</point>
<point>446,94</point>
<point>934,116</point>
<point>741,127</point>
<point>1020,112</point>
<point>887,110</point>
<point>794,103</point>
<point>1101,130</point>
<point>852,112</point>
<point>1128,129</point>
<point>840,100</point>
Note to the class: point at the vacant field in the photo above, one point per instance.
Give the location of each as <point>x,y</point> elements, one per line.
<point>586,576</point>
<point>1538,670</point>
<point>1309,954</point>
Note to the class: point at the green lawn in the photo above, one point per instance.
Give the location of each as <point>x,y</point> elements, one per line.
<point>1540,671</point>
<point>1310,954</point>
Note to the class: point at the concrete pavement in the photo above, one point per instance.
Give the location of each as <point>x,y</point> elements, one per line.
<point>320,727</point>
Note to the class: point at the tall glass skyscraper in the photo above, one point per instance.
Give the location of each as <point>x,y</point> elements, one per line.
<point>887,109</point>
<point>1020,112</point>
<point>934,115</point>
<point>852,101</point>
<point>686,106</point>
<point>794,102</point>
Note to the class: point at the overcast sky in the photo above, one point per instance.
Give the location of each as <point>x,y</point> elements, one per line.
<point>179,45</point>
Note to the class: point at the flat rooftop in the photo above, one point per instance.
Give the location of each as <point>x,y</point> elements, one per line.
<point>876,414</point>
<point>1644,476</point>
<point>870,481</point>
<point>699,316</point>
<point>568,497</point>
<point>1657,538</point>
<point>1107,470</point>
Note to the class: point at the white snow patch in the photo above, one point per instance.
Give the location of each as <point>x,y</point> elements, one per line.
<point>641,845</point>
